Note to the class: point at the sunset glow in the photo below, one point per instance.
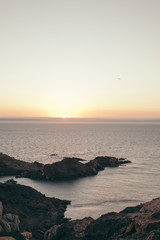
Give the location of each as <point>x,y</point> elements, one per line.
<point>75,59</point>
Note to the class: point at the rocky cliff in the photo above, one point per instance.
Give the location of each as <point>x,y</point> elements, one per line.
<point>141,222</point>
<point>29,210</point>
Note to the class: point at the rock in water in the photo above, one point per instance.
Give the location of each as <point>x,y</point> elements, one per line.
<point>68,168</point>
<point>10,166</point>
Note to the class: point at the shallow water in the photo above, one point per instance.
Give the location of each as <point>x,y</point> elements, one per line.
<point>112,189</point>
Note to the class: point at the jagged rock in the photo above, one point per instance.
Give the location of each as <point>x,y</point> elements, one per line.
<point>121,162</point>
<point>5,226</point>
<point>73,230</point>
<point>36,212</point>
<point>153,235</point>
<point>51,233</point>
<point>12,220</point>
<point>27,235</point>
<point>10,166</point>
<point>141,222</point>
<point>99,163</point>
<point>68,168</point>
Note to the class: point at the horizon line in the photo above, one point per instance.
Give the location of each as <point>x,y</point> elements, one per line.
<point>74,119</point>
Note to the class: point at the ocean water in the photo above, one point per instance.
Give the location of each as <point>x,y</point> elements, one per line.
<point>112,189</point>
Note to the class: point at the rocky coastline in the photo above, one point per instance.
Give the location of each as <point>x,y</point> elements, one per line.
<point>26,214</point>
<point>68,168</point>
<point>23,209</point>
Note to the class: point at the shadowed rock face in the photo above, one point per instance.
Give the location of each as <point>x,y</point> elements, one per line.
<point>141,222</point>
<point>71,230</point>
<point>36,212</point>
<point>68,168</point>
<point>10,166</point>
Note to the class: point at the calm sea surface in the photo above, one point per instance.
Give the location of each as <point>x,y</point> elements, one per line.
<point>112,189</point>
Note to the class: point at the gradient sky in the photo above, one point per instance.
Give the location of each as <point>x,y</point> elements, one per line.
<point>80,58</point>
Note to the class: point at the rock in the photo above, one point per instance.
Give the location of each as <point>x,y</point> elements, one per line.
<point>36,212</point>
<point>5,226</point>
<point>27,235</point>
<point>73,230</point>
<point>51,233</point>
<point>153,235</point>
<point>99,163</point>
<point>68,168</point>
<point>12,220</point>
<point>1,229</point>
<point>141,223</point>
<point>121,162</point>
<point>10,166</point>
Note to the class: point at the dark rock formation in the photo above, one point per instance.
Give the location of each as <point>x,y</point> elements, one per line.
<point>68,168</point>
<point>9,227</point>
<point>141,222</point>
<point>36,212</point>
<point>10,166</point>
<point>71,230</point>
<point>99,163</point>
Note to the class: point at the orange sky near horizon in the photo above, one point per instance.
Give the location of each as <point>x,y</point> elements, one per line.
<point>80,59</point>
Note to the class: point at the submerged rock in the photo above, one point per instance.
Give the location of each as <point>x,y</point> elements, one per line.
<point>53,155</point>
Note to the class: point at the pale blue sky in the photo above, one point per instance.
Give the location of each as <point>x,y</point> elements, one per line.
<point>65,58</point>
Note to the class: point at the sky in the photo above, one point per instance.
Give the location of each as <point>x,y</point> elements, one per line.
<point>87,58</point>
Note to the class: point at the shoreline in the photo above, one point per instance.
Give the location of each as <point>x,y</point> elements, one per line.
<point>38,217</point>
<point>26,211</point>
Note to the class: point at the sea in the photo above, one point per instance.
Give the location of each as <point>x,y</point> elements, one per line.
<point>48,141</point>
